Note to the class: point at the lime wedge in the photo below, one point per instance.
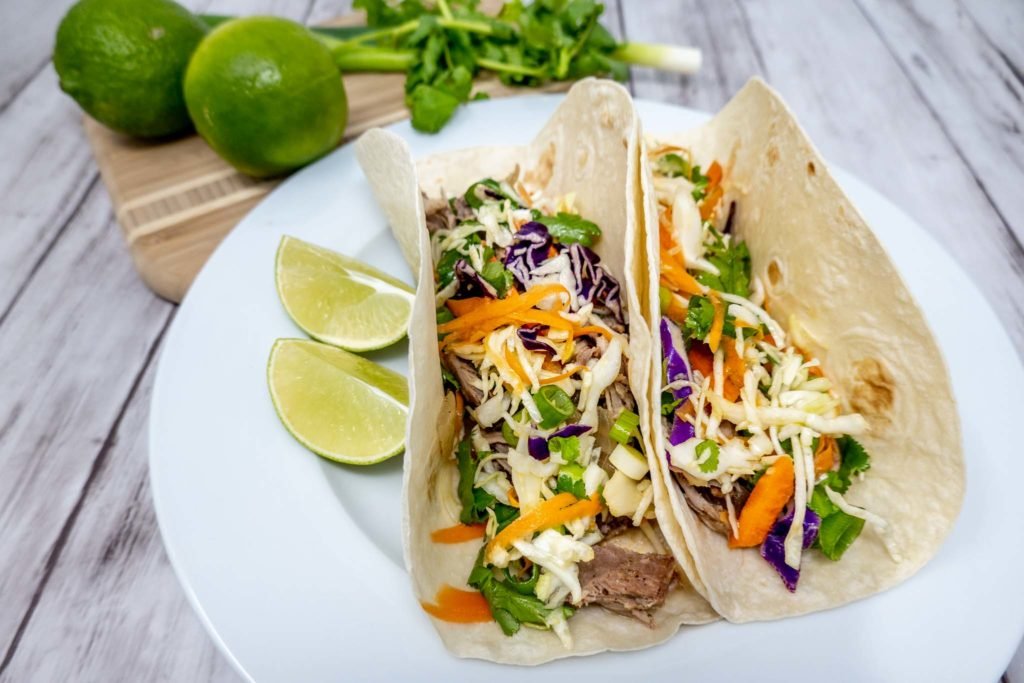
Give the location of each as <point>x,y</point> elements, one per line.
<point>339,300</point>
<point>338,405</point>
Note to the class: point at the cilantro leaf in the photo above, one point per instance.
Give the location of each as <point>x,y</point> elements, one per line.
<point>431,107</point>
<point>854,457</point>
<point>672,165</point>
<point>710,464</point>
<point>446,268</point>
<point>476,501</point>
<point>699,316</point>
<point>449,379</point>
<point>568,228</point>
<point>669,403</point>
<point>838,531</point>
<point>498,277</point>
<point>733,265</point>
<point>509,607</point>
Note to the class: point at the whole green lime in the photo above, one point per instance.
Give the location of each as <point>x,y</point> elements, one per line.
<point>123,61</point>
<point>266,95</point>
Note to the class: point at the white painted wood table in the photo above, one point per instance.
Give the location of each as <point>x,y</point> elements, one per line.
<point>924,100</point>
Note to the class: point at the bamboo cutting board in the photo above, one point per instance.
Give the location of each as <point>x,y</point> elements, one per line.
<point>176,200</point>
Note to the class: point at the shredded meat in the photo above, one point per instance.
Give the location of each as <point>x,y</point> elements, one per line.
<point>619,396</point>
<point>613,526</point>
<point>626,582</point>
<point>496,440</point>
<point>463,211</point>
<point>708,502</point>
<point>466,374</point>
<point>586,350</point>
<point>439,214</point>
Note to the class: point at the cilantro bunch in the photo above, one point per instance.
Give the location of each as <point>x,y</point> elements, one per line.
<point>443,47</point>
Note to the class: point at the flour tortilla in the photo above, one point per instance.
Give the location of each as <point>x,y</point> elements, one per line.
<point>831,285</point>
<point>590,147</point>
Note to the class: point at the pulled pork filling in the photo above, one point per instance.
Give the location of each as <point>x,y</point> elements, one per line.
<point>532,333</point>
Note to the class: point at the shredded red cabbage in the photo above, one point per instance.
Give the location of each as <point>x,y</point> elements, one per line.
<point>593,284</point>
<point>471,283</point>
<point>529,334</point>
<point>571,430</point>
<point>773,549</point>
<point>675,364</point>
<point>529,249</point>
<point>675,369</point>
<point>681,431</point>
<point>538,446</point>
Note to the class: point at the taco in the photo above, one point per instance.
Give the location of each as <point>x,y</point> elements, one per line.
<point>810,442</point>
<point>529,527</point>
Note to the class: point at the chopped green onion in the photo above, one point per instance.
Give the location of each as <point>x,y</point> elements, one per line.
<point>554,405</point>
<point>444,315</point>
<point>570,480</point>
<point>528,584</point>
<point>664,299</point>
<point>567,447</point>
<point>625,427</point>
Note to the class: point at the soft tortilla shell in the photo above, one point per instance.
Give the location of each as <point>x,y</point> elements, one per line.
<point>589,147</point>
<point>834,289</point>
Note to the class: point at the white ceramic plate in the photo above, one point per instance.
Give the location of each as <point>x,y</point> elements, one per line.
<point>295,566</point>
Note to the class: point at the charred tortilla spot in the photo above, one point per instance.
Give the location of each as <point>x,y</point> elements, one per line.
<point>541,173</point>
<point>873,393</point>
<point>774,273</point>
<point>811,170</point>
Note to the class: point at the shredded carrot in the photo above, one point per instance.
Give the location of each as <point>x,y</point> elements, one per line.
<point>460,307</point>
<point>498,308</point>
<point>535,316</point>
<point>592,329</point>
<point>459,606</point>
<point>675,277</point>
<point>513,499</point>
<point>460,533</point>
<point>676,311</point>
<point>735,369</point>
<point>701,359</point>
<point>553,512</point>
<point>460,403</point>
<point>825,456</point>
<point>715,335</point>
<point>565,375</point>
<point>664,148</point>
<point>512,358</point>
<point>771,493</point>
<point>714,174</point>
<point>707,207</point>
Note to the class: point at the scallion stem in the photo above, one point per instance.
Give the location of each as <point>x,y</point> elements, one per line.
<point>685,60</point>
<point>372,59</point>
<point>503,67</point>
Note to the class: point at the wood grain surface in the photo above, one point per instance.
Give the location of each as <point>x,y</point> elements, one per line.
<point>922,99</point>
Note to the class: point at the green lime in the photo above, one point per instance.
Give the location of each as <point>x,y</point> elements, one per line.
<point>123,61</point>
<point>340,300</point>
<point>266,95</point>
<point>338,405</point>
